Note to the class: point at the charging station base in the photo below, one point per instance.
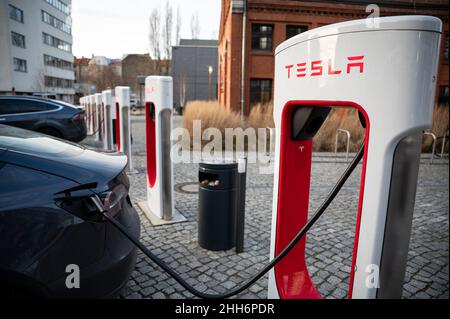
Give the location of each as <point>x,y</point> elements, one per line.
<point>155,220</point>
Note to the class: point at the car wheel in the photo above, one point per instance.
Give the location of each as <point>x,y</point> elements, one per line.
<point>51,131</point>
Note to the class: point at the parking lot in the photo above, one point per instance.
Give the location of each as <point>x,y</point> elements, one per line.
<point>329,245</point>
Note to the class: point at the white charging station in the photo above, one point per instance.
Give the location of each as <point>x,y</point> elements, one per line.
<point>87,101</point>
<point>159,207</point>
<point>91,101</point>
<point>108,108</point>
<point>123,124</point>
<point>387,69</point>
<point>98,116</point>
<point>83,106</point>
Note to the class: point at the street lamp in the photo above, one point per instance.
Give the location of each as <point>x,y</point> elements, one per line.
<point>210,71</point>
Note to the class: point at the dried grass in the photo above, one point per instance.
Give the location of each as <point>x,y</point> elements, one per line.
<point>212,115</point>
<point>261,116</point>
<point>341,118</point>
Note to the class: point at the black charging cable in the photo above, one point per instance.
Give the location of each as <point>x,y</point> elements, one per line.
<point>331,196</point>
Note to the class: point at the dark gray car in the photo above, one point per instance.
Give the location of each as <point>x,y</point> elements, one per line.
<point>49,224</point>
<point>55,118</point>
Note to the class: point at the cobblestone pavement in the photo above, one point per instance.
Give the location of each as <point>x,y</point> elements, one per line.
<point>329,245</point>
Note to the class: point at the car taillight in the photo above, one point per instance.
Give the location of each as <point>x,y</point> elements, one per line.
<point>78,117</point>
<point>114,199</point>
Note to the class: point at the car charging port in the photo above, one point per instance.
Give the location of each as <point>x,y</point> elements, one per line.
<point>81,207</point>
<point>90,207</point>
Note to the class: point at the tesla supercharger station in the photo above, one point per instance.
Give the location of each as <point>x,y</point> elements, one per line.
<point>87,114</point>
<point>107,109</point>
<point>91,101</point>
<point>158,112</point>
<point>83,106</point>
<point>89,123</point>
<point>123,123</point>
<point>386,68</point>
<point>98,116</point>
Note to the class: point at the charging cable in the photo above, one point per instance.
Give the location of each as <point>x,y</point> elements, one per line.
<point>300,235</point>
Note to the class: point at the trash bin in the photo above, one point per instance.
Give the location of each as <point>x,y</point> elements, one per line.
<point>217,205</point>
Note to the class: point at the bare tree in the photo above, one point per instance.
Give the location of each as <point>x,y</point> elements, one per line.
<point>103,77</point>
<point>178,24</point>
<point>167,31</point>
<point>155,34</point>
<point>195,26</point>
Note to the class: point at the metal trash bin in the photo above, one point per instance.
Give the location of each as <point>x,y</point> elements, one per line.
<point>218,201</point>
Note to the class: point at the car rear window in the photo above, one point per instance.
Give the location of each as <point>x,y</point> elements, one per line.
<point>30,142</point>
<point>19,106</point>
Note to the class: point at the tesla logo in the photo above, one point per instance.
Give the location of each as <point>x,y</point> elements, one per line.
<point>320,68</point>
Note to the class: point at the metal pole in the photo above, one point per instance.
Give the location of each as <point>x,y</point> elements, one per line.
<point>209,94</point>
<point>240,213</point>
<point>126,140</point>
<point>348,142</point>
<point>124,116</point>
<point>167,175</point>
<point>433,148</point>
<point>243,70</point>
<point>271,143</point>
<point>443,144</point>
<point>108,143</point>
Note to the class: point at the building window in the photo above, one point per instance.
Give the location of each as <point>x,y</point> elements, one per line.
<point>18,40</point>
<point>56,43</point>
<point>262,37</point>
<point>446,47</point>
<point>57,63</point>
<point>53,82</point>
<point>443,96</point>
<point>293,30</point>
<point>55,22</point>
<point>260,91</point>
<point>58,4</point>
<point>15,14</point>
<point>20,65</point>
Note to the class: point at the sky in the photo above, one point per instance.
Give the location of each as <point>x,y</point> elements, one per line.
<point>113,28</point>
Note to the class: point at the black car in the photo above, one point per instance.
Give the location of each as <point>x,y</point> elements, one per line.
<point>55,118</point>
<point>49,225</point>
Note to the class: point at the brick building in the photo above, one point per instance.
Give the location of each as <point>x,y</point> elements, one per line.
<point>270,22</point>
<point>136,66</point>
<point>96,74</point>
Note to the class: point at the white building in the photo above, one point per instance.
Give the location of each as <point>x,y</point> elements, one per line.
<point>36,48</point>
